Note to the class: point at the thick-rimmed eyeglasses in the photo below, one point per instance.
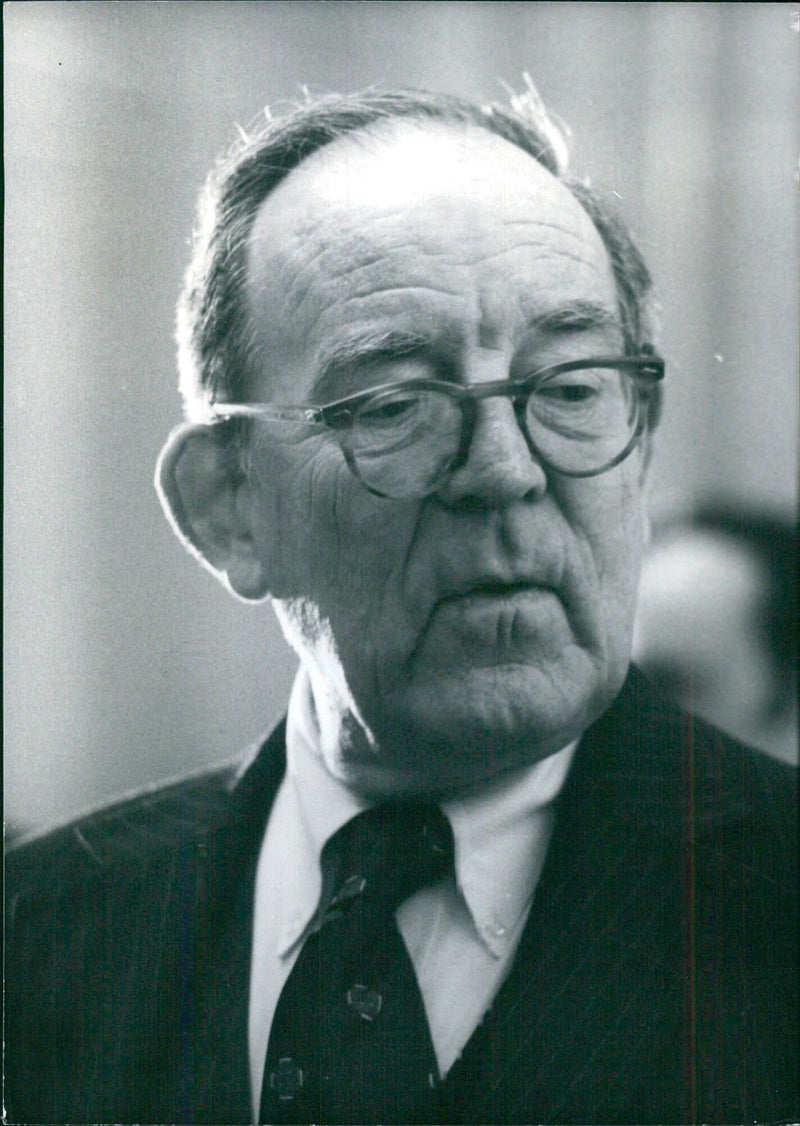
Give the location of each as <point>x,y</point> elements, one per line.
<point>403,440</point>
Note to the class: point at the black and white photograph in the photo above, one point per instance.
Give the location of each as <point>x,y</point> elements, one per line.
<point>400,562</point>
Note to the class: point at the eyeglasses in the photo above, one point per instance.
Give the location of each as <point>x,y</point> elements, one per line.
<point>403,440</point>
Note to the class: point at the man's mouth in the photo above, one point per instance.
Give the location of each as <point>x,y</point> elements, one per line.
<point>491,622</point>
<point>494,589</point>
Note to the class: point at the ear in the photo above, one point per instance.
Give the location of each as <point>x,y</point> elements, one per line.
<point>207,499</point>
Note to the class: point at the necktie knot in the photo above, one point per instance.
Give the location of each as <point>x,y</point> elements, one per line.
<point>392,850</point>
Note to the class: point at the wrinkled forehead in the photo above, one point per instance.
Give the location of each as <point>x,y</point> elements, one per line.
<point>431,209</point>
<point>415,171</point>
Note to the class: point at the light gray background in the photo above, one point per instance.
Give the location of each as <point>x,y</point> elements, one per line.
<point>124,662</point>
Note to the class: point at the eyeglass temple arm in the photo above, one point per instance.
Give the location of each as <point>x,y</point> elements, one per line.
<point>269,412</point>
<point>340,414</point>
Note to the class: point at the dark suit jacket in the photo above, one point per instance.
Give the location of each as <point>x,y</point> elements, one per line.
<point>656,981</point>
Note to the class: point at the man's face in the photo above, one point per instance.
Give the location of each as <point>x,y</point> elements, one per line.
<point>486,626</point>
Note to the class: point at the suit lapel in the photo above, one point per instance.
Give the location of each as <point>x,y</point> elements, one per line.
<point>587,1026</point>
<point>206,970</point>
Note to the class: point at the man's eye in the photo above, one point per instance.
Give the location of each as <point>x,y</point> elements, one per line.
<point>569,392</point>
<point>397,410</point>
<point>565,394</point>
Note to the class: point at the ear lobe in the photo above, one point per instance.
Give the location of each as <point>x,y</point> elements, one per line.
<point>206,499</point>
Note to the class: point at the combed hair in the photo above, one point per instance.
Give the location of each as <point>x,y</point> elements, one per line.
<point>214,333</point>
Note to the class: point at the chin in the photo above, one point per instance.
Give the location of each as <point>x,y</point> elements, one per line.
<point>463,730</point>
<point>416,759</point>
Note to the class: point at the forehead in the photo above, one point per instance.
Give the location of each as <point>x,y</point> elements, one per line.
<point>422,227</point>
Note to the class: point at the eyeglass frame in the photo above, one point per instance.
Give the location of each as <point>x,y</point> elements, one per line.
<point>341,414</point>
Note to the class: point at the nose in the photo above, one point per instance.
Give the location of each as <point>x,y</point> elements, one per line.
<point>499,468</point>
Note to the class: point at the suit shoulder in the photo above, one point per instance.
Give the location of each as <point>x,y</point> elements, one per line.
<point>665,764</point>
<point>132,830</point>
<point>765,785</point>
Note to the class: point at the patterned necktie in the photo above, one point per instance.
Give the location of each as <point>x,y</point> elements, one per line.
<point>350,1041</point>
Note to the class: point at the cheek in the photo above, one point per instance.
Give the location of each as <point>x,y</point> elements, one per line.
<point>297,490</point>
<point>326,539</point>
<point>607,514</point>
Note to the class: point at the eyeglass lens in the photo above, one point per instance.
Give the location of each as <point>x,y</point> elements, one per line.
<point>403,442</point>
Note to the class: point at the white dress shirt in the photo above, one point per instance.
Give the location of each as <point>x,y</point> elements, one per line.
<point>461,933</point>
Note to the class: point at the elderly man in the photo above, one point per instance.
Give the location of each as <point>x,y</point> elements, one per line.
<point>482,873</point>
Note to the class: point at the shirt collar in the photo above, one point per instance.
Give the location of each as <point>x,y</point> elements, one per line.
<point>500,832</point>
<point>501,836</point>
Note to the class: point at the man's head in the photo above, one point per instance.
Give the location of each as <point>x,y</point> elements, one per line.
<point>453,636</point>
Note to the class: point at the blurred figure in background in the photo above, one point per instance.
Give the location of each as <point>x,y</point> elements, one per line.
<point>717,623</point>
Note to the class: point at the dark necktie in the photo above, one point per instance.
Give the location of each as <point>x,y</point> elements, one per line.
<point>350,1041</point>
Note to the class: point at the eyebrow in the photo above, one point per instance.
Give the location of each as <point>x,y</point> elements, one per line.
<point>364,346</point>
<point>577,315</point>
<point>367,345</point>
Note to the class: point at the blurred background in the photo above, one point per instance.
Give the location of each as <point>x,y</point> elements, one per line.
<point>124,661</point>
